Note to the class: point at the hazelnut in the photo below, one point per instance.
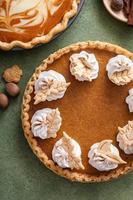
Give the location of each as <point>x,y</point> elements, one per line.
<point>12,89</point>
<point>3,101</point>
<point>117,5</point>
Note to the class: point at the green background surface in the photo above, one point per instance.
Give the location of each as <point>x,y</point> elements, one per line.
<point>22,176</point>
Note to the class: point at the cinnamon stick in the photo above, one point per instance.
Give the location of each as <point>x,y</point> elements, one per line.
<point>130,16</point>
<point>127,7</point>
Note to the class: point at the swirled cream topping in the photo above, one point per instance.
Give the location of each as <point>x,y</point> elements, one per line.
<point>46,123</point>
<point>20,15</point>
<point>120,70</point>
<point>125,138</point>
<point>53,5</point>
<point>129,100</point>
<point>104,156</point>
<point>50,85</point>
<point>84,66</point>
<point>67,153</point>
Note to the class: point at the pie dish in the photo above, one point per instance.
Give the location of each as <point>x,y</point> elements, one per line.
<point>102,110</point>
<point>27,23</point>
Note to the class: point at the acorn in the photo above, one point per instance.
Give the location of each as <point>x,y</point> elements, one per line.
<point>12,89</point>
<point>3,101</point>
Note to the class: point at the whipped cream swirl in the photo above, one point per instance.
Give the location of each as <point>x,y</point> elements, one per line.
<point>104,156</point>
<point>50,85</point>
<point>46,123</point>
<point>129,100</point>
<point>120,70</point>
<point>84,66</point>
<point>125,138</point>
<point>67,153</point>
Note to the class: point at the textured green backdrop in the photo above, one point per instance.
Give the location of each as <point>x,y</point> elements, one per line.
<point>22,176</point>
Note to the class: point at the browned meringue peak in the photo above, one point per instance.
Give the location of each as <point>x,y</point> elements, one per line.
<point>105,149</point>
<point>125,138</point>
<point>104,156</point>
<point>120,70</point>
<point>129,100</point>
<point>50,85</point>
<point>67,153</point>
<point>45,123</point>
<point>84,66</point>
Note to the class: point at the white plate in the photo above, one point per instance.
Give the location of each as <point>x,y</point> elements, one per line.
<point>118,15</point>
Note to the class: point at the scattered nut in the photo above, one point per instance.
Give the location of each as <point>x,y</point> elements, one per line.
<point>117,5</point>
<point>12,89</point>
<point>3,101</point>
<point>12,74</point>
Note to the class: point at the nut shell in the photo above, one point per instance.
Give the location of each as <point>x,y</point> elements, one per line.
<point>3,101</point>
<point>12,89</point>
<point>117,5</point>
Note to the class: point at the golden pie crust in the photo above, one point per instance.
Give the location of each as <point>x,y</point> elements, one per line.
<point>54,25</point>
<point>102,109</point>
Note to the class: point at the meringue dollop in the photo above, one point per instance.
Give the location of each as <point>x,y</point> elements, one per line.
<point>84,66</point>
<point>129,100</point>
<point>67,153</point>
<point>46,123</point>
<point>125,138</point>
<point>120,70</point>
<point>50,85</point>
<point>104,156</point>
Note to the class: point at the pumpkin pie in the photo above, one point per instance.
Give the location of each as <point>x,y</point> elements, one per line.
<point>27,23</point>
<point>91,112</point>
